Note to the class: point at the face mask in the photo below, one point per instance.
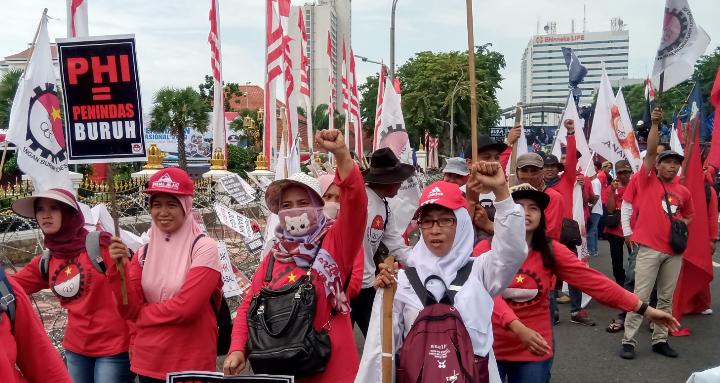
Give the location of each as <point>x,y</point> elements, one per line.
<point>331,209</point>
<point>299,221</point>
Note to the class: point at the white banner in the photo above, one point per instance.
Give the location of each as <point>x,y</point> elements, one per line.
<point>585,163</point>
<point>230,285</point>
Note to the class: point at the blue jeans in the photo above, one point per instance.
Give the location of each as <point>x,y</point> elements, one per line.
<point>592,233</point>
<point>525,372</point>
<point>103,369</point>
<point>574,293</point>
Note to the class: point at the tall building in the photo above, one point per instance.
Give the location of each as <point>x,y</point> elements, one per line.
<point>544,74</point>
<point>321,17</point>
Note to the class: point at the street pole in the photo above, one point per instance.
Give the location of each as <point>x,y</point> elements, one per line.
<point>392,42</point>
<point>247,96</point>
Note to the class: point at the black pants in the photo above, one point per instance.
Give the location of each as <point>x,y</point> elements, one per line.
<point>362,309</point>
<point>617,248</point>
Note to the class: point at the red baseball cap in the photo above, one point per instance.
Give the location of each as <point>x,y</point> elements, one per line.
<point>442,193</point>
<point>171,181</point>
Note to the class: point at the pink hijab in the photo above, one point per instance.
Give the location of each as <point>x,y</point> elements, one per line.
<point>325,182</point>
<point>169,259</point>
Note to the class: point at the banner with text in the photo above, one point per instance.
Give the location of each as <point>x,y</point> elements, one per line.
<point>103,110</point>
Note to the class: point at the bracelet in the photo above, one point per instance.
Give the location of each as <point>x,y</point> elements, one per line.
<point>570,134</point>
<point>642,309</point>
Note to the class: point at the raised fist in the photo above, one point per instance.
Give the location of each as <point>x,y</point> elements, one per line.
<point>331,140</point>
<point>656,116</point>
<point>569,125</point>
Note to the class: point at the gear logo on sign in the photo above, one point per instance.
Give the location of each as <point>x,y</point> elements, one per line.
<point>45,129</point>
<point>676,27</point>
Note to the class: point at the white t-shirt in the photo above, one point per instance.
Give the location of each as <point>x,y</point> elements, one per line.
<point>597,189</point>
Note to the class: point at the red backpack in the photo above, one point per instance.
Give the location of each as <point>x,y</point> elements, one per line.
<point>438,347</point>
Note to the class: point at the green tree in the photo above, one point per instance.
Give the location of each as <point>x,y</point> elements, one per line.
<point>249,133</point>
<point>8,87</point>
<point>207,92</point>
<point>178,110</point>
<point>427,83</point>
<point>320,117</point>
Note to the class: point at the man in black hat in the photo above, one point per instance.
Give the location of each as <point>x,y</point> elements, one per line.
<point>382,180</point>
<point>663,201</point>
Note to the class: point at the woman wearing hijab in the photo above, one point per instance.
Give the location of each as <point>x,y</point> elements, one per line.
<point>96,339</point>
<point>170,283</point>
<point>331,196</point>
<point>445,246</point>
<point>310,244</point>
<point>521,317</point>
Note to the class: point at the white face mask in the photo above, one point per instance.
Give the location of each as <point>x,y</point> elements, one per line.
<point>331,209</point>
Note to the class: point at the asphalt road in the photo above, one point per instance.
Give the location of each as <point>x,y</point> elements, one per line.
<point>590,354</point>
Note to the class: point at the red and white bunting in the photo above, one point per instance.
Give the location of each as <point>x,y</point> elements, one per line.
<point>218,114</point>
<point>289,84</point>
<point>273,64</point>
<point>305,79</point>
<point>77,11</point>
<point>346,98</point>
<point>355,106</point>
<point>379,108</point>
<point>331,80</point>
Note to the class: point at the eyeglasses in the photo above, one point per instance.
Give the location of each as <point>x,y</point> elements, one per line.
<point>442,222</point>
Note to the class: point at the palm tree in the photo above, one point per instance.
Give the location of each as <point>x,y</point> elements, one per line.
<point>8,87</point>
<point>320,118</point>
<point>179,109</point>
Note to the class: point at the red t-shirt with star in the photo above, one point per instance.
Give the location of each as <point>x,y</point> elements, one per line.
<point>94,327</point>
<point>342,242</point>
<point>653,224</point>
<point>527,298</point>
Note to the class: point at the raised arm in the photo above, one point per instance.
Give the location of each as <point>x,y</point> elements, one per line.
<point>497,267</point>
<point>652,141</point>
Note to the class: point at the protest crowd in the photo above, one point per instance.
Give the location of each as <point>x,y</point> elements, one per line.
<point>457,280</point>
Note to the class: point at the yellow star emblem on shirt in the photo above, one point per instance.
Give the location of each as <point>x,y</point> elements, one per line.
<point>55,114</point>
<point>377,222</point>
<point>68,271</point>
<point>292,277</point>
<point>669,199</point>
<point>519,279</point>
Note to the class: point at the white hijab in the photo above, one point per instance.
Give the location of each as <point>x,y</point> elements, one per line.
<point>473,302</point>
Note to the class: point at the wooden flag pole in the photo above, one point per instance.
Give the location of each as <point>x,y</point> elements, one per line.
<point>387,333</point>
<point>32,49</point>
<point>513,156</point>
<point>690,148</point>
<point>473,101</point>
<point>113,205</point>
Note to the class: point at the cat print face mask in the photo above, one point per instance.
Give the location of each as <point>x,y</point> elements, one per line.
<point>299,221</point>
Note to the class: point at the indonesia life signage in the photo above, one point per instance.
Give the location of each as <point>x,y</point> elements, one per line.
<point>103,115</point>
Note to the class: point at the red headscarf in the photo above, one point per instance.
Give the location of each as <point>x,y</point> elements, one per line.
<point>69,241</point>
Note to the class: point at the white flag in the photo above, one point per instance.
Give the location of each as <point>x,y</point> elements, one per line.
<point>522,147</point>
<point>36,127</point>
<point>392,134</point>
<point>585,163</point>
<point>77,17</point>
<point>612,135</point>
<point>681,45</point>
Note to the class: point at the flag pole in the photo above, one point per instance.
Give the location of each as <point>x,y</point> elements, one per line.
<point>32,49</point>
<point>387,327</point>
<point>116,221</point>
<point>471,60</point>
<point>513,156</point>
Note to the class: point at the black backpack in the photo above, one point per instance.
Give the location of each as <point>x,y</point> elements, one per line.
<point>222,314</point>
<point>7,299</point>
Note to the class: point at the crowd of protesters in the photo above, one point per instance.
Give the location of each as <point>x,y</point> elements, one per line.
<point>495,286</point>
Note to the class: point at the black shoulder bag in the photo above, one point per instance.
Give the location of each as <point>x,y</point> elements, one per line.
<point>281,336</point>
<point>678,228</point>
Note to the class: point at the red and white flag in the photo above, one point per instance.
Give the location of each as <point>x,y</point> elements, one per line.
<point>274,69</point>
<point>649,91</point>
<point>331,80</point>
<point>77,11</point>
<point>355,106</point>
<point>682,43</point>
<point>305,80</point>
<point>380,100</point>
<point>218,113</point>
<point>345,94</point>
<point>291,114</point>
<point>36,126</point>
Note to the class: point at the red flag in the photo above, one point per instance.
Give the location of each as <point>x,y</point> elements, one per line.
<point>344,78</point>
<point>380,100</point>
<point>714,156</point>
<point>304,62</point>
<point>355,105</point>
<point>697,269</point>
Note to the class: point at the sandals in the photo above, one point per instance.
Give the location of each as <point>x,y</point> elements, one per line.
<point>615,326</point>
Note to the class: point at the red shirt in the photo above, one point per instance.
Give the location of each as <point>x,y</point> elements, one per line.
<point>527,298</point>
<point>29,348</point>
<point>95,327</point>
<point>178,334</point>
<point>619,193</point>
<point>342,242</point>
<point>653,224</point>
<point>629,196</point>
<point>554,214</point>
<point>588,192</point>
<point>602,177</point>
<point>568,178</point>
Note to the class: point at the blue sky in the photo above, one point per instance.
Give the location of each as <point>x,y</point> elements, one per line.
<point>173,49</point>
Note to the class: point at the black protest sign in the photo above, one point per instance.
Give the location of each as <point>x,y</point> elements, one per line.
<point>210,377</point>
<point>103,115</point>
